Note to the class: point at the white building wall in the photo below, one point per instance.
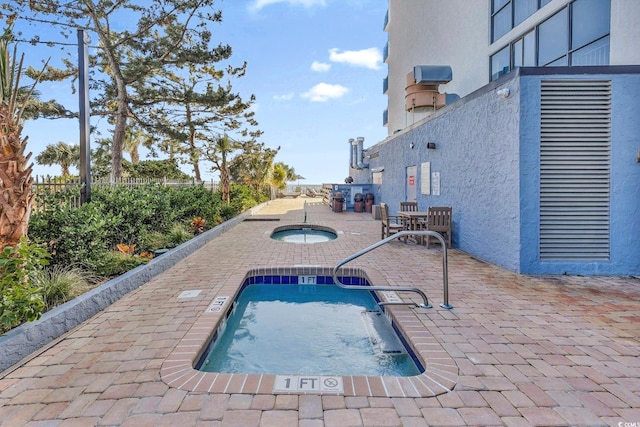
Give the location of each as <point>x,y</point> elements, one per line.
<point>625,32</point>
<point>435,32</point>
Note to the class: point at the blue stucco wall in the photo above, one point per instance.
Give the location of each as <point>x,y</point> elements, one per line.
<point>488,158</point>
<point>625,179</point>
<point>477,156</point>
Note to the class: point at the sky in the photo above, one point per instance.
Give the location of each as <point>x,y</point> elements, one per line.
<point>315,67</point>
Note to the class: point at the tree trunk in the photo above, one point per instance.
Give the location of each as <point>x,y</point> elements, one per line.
<point>224,181</point>
<point>15,182</point>
<point>194,153</point>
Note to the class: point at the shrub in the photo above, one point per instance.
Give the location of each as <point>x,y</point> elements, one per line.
<point>244,197</point>
<point>177,235</point>
<point>116,263</point>
<point>196,201</point>
<point>136,210</point>
<point>75,236</point>
<point>61,284</point>
<point>20,298</point>
<point>151,217</point>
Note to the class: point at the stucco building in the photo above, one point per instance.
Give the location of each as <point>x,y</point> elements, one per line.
<point>522,115</point>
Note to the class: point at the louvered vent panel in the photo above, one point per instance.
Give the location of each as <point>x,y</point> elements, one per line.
<point>575,145</point>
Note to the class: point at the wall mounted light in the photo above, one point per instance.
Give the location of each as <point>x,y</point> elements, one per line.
<point>411,145</point>
<point>503,93</point>
<point>431,145</point>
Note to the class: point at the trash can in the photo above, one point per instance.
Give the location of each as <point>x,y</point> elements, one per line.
<point>368,202</point>
<point>358,202</point>
<point>338,201</point>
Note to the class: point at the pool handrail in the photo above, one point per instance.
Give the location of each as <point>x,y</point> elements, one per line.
<point>425,304</point>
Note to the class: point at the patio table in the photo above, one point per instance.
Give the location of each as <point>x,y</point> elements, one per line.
<point>414,222</point>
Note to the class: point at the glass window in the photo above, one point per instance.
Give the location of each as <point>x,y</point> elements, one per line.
<point>518,52</point>
<point>590,20</point>
<point>501,22</point>
<point>560,62</point>
<point>497,4</point>
<point>553,38</point>
<point>596,53</point>
<point>500,63</point>
<point>524,51</point>
<point>529,56</point>
<point>522,9</point>
<point>544,2</point>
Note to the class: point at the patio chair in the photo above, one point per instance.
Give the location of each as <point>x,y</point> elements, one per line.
<point>390,224</point>
<point>439,219</point>
<point>408,206</point>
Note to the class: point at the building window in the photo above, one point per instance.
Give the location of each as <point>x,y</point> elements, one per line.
<point>501,20</point>
<point>522,9</point>
<point>591,21</point>
<point>524,51</point>
<point>577,35</point>
<point>506,14</point>
<point>500,63</point>
<point>596,53</point>
<point>553,38</point>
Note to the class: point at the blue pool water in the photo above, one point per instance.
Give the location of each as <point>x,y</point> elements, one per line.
<point>308,329</point>
<point>304,235</point>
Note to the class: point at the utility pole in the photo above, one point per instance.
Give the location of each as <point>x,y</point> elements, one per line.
<point>85,130</point>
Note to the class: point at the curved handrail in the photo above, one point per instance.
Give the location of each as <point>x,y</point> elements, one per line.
<point>425,304</point>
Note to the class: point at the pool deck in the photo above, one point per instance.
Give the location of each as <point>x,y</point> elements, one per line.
<point>517,350</point>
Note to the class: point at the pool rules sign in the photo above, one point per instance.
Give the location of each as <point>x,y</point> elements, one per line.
<point>308,384</point>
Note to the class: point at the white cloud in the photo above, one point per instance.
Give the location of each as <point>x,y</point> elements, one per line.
<point>369,58</point>
<point>322,92</point>
<point>284,97</point>
<point>259,4</point>
<point>320,67</point>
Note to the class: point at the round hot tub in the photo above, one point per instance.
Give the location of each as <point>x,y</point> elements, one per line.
<point>304,234</point>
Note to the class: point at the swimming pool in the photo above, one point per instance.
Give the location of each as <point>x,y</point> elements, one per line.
<point>179,369</point>
<point>303,234</point>
<point>313,327</point>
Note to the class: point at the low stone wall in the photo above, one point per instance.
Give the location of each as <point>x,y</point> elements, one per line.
<point>24,340</point>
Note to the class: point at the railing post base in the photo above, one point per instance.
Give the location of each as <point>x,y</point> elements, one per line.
<point>446,306</point>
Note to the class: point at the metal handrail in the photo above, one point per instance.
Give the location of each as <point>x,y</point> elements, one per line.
<point>425,304</point>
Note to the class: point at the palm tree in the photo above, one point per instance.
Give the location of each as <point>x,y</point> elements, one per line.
<point>15,171</point>
<point>61,154</point>
<point>218,153</point>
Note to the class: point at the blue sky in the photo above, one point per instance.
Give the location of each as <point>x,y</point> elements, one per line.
<point>315,67</point>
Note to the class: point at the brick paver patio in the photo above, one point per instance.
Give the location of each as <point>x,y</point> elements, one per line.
<point>543,351</point>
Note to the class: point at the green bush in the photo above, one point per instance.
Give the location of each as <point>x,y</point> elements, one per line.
<point>61,284</point>
<point>136,210</point>
<point>116,263</point>
<point>151,217</point>
<point>196,201</point>
<point>244,197</point>
<point>20,298</point>
<point>75,236</point>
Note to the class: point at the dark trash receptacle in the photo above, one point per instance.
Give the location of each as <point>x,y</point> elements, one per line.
<point>338,201</point>
<point>358,202</point>
<point>368,202</point>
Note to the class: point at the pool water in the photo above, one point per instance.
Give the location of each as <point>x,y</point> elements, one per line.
<point>304,236</point>
<point>308,329</point>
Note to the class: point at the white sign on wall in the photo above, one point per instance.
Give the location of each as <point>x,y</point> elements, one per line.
<point>435,182</point>
<point>377,178</point>
<point>425,178</point>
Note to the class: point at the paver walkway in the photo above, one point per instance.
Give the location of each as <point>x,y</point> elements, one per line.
<point>546,351</point>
